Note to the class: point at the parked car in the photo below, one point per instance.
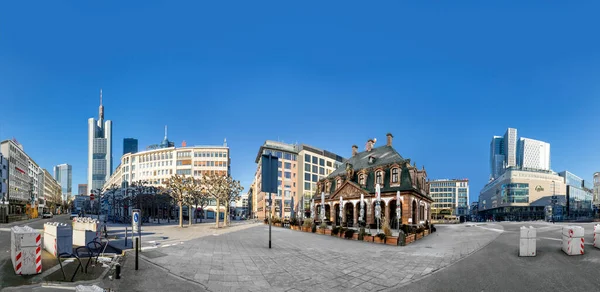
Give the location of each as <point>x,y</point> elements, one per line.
<point>47,215</point>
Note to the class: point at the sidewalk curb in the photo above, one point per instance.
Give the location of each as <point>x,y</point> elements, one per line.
<point>398,286</point>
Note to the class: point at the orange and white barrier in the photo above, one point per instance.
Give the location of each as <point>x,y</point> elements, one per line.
<point>572,240</point>
<point>26,250</point>
<point>58,238</point>
<point>527,242</point>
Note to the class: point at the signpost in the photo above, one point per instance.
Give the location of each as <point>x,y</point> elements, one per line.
<point>269,181</point>
<point>135,223</point>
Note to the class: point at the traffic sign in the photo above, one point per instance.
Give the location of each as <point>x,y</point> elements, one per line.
<point>91,196</point>
<point>135,220</point>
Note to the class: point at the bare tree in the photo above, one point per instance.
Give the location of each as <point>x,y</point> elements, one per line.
<point>215,187</point>
<point>232,191</point>
<point>199,195</point>
<point>178,187</point>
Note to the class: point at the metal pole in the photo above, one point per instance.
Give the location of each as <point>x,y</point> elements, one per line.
<point>269,216</point>
<point>125,236</point>
<point>137,244</point>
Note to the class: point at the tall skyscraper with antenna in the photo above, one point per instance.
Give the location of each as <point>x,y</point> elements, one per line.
<point>99,150</point>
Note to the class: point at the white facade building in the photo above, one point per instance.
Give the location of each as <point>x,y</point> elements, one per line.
<point>510,147</point>
<point>19,181</point>
<point>52,192</point>
<point>37,187</point>
<point>99,150</point>
<point>156,166</point>
<point>533,154</point>
<point>450,197</point>
<point>3,187</point>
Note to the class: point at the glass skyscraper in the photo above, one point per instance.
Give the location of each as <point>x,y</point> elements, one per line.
<point>130,145</point>
<point>63,175</point>
<point>99,150</point>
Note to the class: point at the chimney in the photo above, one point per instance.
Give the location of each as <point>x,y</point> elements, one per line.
<point>370,145</point>
<point>183,144</point>
<point>390,137</point>
<point>354,150</point>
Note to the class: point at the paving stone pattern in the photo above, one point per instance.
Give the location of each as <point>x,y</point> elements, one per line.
<point>299,261</point>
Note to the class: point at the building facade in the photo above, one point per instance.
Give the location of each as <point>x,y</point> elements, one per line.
<point>300,168</point>
<point>450,198</point>
<point>99,150</point>
<point>63,174</point>
<point>52,193</point>
<point>3,187</point>
<point>19,182</point>
<point>82,189</point>
<point>579,197</point>
<point>130,145</point>
<point>156,166</point>
<point>360,174</point>
<point>533,154</point>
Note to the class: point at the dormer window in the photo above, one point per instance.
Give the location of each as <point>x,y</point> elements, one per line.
<point>371,159</point>
<point>361,179</point>
<point>379,177</point>
<point>395,176</point>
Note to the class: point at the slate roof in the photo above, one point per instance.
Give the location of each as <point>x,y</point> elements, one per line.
<point>384,155</point>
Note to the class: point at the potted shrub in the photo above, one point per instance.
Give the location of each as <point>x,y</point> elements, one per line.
<point>322,228</point>
<point>307,225</point>
<point>368,237</point>
<point>379,238</point>
<point>349,233</point>
<point>335,231</point>
<point>342,232</point>
<point>389,239</point>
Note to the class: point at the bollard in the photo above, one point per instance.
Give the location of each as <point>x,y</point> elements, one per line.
<point>137,244</point>
<point>117,271</point>
<point>527,242</point>
<point>572,240</point>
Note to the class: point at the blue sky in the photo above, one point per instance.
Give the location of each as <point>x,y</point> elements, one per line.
<point>443,77</point>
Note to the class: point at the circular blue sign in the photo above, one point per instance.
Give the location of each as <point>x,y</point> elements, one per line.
<point>136,217</point>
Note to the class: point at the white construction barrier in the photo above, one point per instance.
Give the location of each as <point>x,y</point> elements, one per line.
<point>572,240</point>
<point>58,238</point>
<point>26,250</point>
<point>85,229</point>
<point>83,237</point>
<point>597,235</point>
<point>527,242</point>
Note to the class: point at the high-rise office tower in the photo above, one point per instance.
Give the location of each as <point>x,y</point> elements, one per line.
<point>99,150</point>
<point>130,145</point>
<point>496,156</point>
<point>63,175</point>
<point>510,147</point>
<point>533,154</point>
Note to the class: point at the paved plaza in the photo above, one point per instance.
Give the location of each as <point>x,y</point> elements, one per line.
<point>242,261</point>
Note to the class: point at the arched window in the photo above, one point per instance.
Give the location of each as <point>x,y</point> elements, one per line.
<point>361,179</point>
<point>394,175</point>
<point>378,177</point>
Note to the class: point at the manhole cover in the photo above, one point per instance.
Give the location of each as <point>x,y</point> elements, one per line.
<point>154,254</point>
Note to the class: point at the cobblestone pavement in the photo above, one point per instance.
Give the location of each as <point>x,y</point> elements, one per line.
<point>299,261</point>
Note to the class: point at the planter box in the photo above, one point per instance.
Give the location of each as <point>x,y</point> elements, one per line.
<point>320,231</point>
<point>426,233</point>
<point>328,231</point>
<point>410,238</point>
<point>306,229</point>
<point>355,236</point>
<point>391,240</point>
<point>368,238</point>
<point>293,227</point>
<point>419,236</point>
<point>376,239</point>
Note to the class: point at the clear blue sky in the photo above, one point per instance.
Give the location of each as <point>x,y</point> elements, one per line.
<point>443,77</point>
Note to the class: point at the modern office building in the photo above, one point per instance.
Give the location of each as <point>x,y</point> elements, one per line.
<point>130,145</point>
<point>156,166</point>
<point>82,189</point>
<point>37,175</point>
<point>506,153</point>
<point>52,193</point>
<point>579,197</point>
<point>63,174</point>
<point>99,150</point>
<point>450,198</point>
<point>533,154</point>
<point>300,168</point>
<point>19,182</point>
<point>473,209</point>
